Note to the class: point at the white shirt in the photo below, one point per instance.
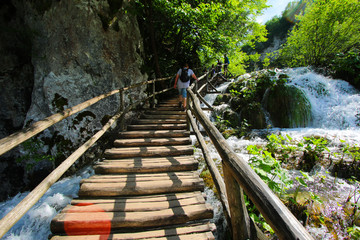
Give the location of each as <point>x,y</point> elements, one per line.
<point>181,84</point>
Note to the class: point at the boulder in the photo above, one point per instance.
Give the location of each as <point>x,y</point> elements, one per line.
<point>288,107</point>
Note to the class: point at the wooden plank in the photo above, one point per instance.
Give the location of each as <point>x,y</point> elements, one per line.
<point>144,166</point>
<point>153,112</point>
<point>167,232</point>
<point>133,188</point>
<point>157,127</point>
<point>157,151</point>
<point>157,121</point>
<point>173,159</point>
<point>123,206</point>
<point>85,223</point>
<point>142,177</point>
<point>152,141</point>
<point>154,134</point>
<point>140,199</point>
<point>163,116</point>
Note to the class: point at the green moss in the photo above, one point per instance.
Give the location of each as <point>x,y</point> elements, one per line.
<point>288,107</point>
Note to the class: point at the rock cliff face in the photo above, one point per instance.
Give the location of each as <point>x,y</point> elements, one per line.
<point>77,50</point>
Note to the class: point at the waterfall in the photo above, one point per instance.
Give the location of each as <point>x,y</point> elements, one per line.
<point>335,103</point>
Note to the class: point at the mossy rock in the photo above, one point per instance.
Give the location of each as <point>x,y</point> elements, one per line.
<point>221,99</point>
<point>288,107</point>
<point>232,117</point>
<point>254,116</point>
<point>236,103</point>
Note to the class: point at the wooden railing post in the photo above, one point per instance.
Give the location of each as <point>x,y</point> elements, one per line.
<point>122,107</point>
<point>240,220</point>
<point>207,83</point>
<point>153,92</point>
<point>188,102</point>
<point>122,104</point>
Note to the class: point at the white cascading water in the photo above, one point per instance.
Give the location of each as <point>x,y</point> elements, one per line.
<point>35,224</point>
<point>334,106</point>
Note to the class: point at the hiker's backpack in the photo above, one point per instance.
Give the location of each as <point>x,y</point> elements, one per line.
<point>184,77</point>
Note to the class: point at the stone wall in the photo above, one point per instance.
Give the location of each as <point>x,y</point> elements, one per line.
<point>78,50</point>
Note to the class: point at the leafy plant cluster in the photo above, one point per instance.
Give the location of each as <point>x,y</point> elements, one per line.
<point>270,163</point>
<point>33,154</point>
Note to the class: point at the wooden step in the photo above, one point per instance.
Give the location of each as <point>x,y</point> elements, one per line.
<point>124,206</point>
<point>82,223</point>
<point>154,134</point>
<point>159,121</point>
<point>191,232</point>
<point>140,184</point>
<point>174,126</point>
<point>147,165</point>
<point>162,116</point>
<point>138,199</point>
<point>155,112</point>
<point>161,108</point>
<point>152,141</point>
<point>152,151</point>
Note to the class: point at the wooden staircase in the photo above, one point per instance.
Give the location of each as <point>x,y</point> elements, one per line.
<point>146,188</point>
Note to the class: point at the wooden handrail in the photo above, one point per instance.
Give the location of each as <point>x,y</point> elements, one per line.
<point>33,197</point>
<point>283,222</point>
<point>13,140</point>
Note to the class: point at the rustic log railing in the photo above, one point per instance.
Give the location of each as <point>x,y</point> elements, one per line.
<point>17,138</point>
<point>239,177</point>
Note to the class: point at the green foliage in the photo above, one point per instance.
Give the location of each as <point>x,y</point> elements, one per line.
<point>305,201</point>
<point>346,66</point>
<point>313,148</point>
<point>269,170</point>
<point>354,232</point>
<point>328,27</point>
<point>194,31</point>
<point>33,153</point>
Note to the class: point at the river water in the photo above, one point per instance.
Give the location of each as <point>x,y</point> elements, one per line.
<point>334,107</point>
<point>335,104</point>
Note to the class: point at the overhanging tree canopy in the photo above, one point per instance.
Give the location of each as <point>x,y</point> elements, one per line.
<point>194,31</point>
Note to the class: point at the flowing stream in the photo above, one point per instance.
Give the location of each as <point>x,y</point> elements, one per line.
<point>35,224</point>
<point>334,107</point>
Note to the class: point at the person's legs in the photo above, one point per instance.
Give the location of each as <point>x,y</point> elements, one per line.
<point>184,97</point>
<point>180,97</point>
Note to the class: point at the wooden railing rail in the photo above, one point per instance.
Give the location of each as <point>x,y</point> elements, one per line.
<point>15,139</point>
<point>239,176</point>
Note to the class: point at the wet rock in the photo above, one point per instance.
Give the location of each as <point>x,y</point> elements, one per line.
<point>288,107</point>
